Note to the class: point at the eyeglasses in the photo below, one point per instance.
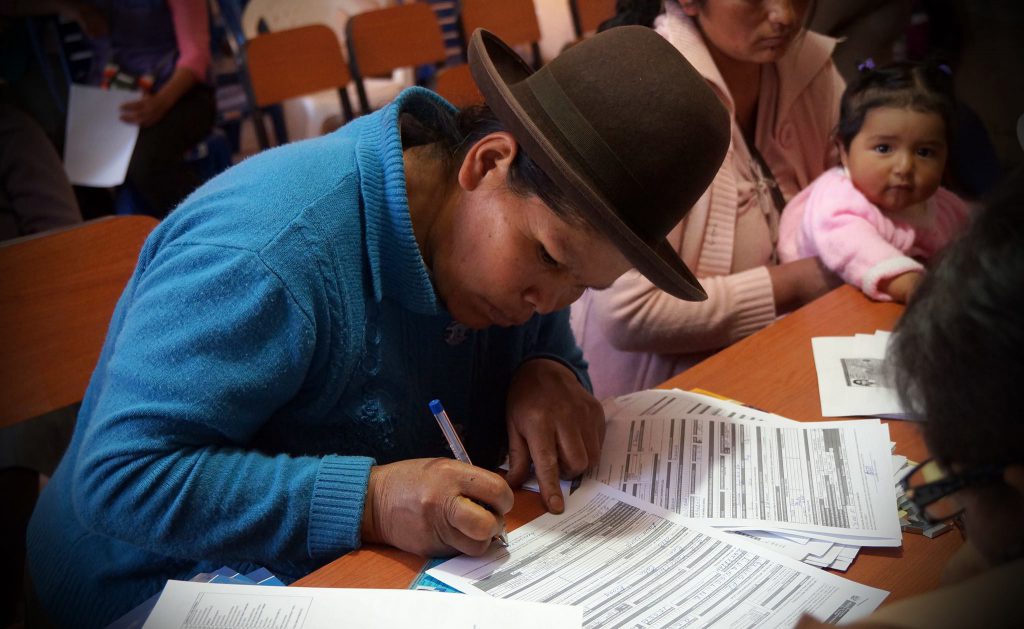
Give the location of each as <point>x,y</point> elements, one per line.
<point>931,487</point>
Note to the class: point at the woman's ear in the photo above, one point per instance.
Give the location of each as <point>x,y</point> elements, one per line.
<point>489,159</point>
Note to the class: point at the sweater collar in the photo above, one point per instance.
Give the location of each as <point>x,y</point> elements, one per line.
<point>397,268</point>
<point>796,69</point>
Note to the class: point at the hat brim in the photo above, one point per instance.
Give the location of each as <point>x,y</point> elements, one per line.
<point>495,68</point>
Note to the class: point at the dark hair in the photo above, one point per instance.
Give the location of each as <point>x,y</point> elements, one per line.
<point>454,134</point>
<point>630,12</point>
<point>957,355</point>
<point>925,87</point>
<point>643,13</point>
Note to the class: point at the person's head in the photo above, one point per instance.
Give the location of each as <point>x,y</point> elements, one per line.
<point>562,186</point>
<point>894,133</point>
<point>513,243</point>
<point>749,31</point>
<point>957,357</point>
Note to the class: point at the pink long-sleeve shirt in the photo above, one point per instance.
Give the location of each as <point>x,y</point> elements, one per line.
<point>833,220</point>
<point>192,32</point>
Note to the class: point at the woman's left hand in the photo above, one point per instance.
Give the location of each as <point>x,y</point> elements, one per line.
<point>554,422</point>
<point>146,111</point>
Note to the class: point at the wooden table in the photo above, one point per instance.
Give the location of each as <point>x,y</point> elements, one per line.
<point>772,370</point>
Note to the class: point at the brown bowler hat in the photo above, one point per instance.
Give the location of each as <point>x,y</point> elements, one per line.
<point>625,126</point>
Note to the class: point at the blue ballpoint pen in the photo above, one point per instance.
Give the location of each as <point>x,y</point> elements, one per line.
<point>456,445</point>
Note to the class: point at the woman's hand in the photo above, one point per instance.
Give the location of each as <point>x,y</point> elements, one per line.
<point>146,111</point>
<point>432,507</point>
<point>799,282</point>
<point>151,108</point>
<point>553,421</point>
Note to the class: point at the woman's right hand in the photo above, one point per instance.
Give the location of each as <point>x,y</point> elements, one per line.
<point>432,507</point>
<point>799,282</point>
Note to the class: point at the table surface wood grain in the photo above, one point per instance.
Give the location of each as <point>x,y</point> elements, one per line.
<point>772,370</point>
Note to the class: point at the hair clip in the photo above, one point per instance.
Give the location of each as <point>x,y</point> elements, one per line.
<point>946,69</point>
<point>868,64</point>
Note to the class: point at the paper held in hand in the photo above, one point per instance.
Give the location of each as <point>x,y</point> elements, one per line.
<point>98,145</point>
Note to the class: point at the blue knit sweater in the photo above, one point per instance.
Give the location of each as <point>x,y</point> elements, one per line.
<point>279,335</point>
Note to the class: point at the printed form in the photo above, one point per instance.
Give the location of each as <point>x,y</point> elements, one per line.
<point>192,605</point>
<point>628,563</point>
<point>739,468</point>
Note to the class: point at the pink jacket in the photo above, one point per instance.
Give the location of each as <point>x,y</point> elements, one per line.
<point>831,219</point>
<point>636,336</point>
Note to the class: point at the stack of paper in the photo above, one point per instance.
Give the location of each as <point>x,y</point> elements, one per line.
<point>185,605</point>
<point>852,379</point>
<point>223,575</point>
<point>815,492</point>
<point>627,563</point>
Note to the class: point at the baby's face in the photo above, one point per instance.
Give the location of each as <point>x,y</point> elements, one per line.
<point>897,158</point>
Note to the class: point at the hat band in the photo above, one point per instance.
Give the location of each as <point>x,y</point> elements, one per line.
<point>614,179</point>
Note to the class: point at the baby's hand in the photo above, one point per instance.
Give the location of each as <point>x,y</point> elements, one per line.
<point>901,287</point>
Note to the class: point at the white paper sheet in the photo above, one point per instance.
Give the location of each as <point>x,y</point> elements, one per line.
<point>789,548</point>
<point>851,378</point>
<point>658,401</point>
<point>630,563</point>
<point>832,479</point>
<point>187,605</point>
<point>98,145</point>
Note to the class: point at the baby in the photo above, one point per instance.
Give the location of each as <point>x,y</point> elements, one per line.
<point>874,220</point>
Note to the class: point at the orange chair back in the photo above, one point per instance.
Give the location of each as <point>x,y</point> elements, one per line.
<point>394,37</point>
<point>58,290</point>
<point>457,86</point>
<point>587,15</point>
<point>382,40</point>
<point>514,21</point>
<point>295,62</point>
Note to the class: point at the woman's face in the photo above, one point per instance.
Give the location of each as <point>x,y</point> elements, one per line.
<point>750,31</point>
<point>503,257</point>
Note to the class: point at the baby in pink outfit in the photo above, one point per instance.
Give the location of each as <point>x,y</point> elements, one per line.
<point>876,219</point>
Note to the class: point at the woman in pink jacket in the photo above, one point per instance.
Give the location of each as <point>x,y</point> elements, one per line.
<point>873,220</point>
<point>778,82</point>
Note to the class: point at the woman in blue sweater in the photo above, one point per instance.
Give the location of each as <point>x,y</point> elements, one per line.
<point>261,398</point>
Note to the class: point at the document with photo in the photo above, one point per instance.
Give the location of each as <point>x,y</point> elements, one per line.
<point>852,379</point>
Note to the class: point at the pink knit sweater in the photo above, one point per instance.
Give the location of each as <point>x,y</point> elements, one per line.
<point>831,219</point>
<point>636,336</point>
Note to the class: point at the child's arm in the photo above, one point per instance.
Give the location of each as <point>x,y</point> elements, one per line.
<point>855,240</point>
<point>901,287</point>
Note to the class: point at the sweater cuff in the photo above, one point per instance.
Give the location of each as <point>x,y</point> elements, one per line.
<point>754,305</point>
<point>336,510</point>
<point>887,270</point>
